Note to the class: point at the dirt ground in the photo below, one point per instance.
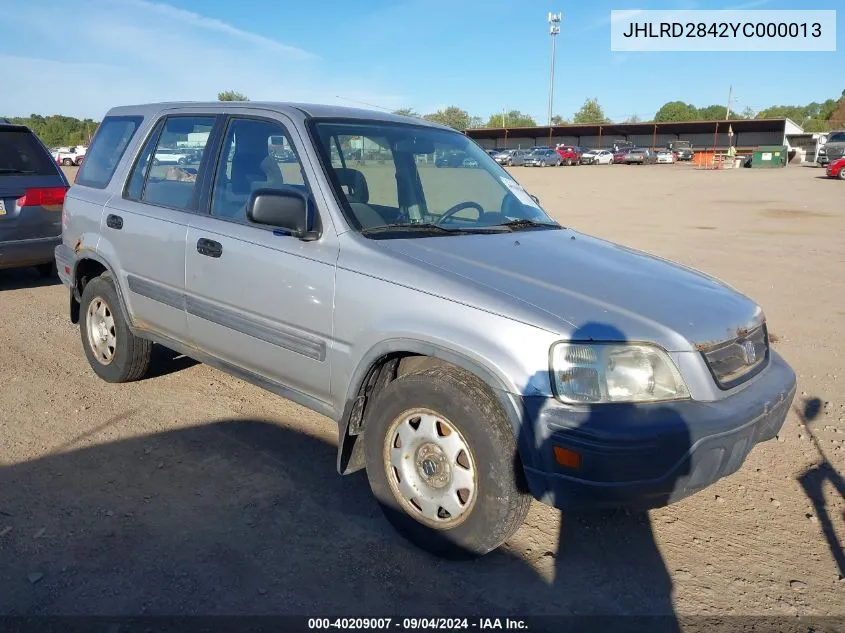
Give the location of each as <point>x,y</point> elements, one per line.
<point>192,492</point>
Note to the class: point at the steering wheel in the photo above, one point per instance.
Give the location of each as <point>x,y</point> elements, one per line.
<point>459,207</point>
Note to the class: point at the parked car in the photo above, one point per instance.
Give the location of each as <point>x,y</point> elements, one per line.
<point>597,157</point>
<point>474,352</point>
<point>682,149</point>
<point>450,159</point>
<point>619,155</point>
<point>543,158</point>
<point>512,157</point>
<point>569,154</point>
<point>170,156</point>
<point>666,156</point>
<point>640,156</point>
<point>32,191</point>
<point>69,156</point>
<point>836,169</point>
<point>833,149</point>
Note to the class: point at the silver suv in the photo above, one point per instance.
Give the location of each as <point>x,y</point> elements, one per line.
<point>474,352</point>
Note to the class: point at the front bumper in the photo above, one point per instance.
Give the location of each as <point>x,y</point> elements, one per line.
<point>649,455</point>
<point>21,253</point>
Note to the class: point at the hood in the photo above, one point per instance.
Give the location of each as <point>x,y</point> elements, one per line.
<point>586,288</point>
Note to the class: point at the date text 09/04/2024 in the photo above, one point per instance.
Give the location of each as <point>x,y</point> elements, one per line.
<point>417,624</point>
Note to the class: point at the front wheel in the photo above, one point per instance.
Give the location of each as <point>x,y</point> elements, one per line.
<point>842,173</point>
<point>67,162</point>
<point>442,463</point>
<point>114,353</point>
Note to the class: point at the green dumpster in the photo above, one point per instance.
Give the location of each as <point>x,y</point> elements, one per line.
<point>769,156</point>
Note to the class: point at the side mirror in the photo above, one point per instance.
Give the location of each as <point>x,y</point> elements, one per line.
<point>286,209</point>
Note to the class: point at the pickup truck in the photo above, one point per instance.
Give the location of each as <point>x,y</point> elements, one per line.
<point>683,149</point>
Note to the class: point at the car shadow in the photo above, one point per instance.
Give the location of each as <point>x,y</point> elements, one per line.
<point>814,480</point>
<point>164,361</point>
<point>245,517</point>
<point>248,517</point>
<point>19,278</point>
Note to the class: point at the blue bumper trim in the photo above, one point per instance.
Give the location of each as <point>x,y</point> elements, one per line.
<point>650,455</point>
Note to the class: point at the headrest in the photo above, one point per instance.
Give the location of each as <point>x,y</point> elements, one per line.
<point>354,184</point>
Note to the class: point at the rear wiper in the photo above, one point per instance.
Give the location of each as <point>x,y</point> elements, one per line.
<point>527,224</point>
<point>7,170</point>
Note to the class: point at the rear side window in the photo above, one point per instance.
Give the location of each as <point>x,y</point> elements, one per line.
<point>175,166</point>
<point>107,149</point>
<point>139,172</point>
<point>22,154</point>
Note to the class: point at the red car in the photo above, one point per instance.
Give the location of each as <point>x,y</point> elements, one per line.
<point>619,155</point>
<point>569,154</point>
<point>836,169</point>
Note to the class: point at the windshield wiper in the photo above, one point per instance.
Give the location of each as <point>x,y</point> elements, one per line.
<point>425,227</point>
<point>515,225</point>
<point>8,170</point>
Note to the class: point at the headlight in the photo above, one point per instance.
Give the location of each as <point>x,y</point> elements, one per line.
<point>822,151</point>
<point>595,373</point>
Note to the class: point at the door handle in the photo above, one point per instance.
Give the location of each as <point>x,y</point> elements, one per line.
<point>114,221</point>
<point>209,248</point>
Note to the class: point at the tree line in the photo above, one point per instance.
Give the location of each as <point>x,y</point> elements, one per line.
<point>813,117</point>
<point>57,130</point>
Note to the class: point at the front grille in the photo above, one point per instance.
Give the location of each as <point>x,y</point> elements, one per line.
<point>735,361</point>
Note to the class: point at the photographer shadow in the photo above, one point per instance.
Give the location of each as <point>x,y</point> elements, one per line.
<point>608,562</point>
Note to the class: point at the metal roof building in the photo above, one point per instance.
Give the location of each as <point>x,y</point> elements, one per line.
<point>704,135</point>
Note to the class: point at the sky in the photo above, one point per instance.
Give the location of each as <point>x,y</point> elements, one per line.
<point>80,58</point>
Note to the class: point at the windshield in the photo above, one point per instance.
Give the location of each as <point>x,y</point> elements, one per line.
<point>400,175</point>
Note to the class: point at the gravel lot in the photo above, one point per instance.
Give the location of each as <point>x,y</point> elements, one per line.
<point>192,492</point>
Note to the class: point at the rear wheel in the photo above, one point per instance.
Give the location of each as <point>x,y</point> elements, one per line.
<point>67,162</point>
<point>442,463</point>
<point>114,353</point>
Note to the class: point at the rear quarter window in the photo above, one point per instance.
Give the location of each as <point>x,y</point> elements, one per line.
<point>22,153</point>
<point>106,150</point>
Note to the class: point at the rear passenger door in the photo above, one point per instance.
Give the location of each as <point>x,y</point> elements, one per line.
<point>257,298</point>
<point>146,227</point>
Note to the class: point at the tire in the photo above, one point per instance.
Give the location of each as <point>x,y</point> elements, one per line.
<point>129,357</point>
<point>842,173</point>
<point>510,163</point>
<point>445,398</point>
<point>569,162</point>
<point>67,162</point>
<point>181,161</point>
<point>47,270</point>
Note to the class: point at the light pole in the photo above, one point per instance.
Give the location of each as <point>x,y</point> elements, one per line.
<point>554,29</point>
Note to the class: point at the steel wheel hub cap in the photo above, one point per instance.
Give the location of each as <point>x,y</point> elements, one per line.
<point>430,468</point>
<point>102,338</point>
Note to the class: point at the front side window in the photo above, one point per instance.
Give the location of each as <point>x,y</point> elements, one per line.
<point>393,177</point>
<point>174,170</point>
<point>257,154</point>
<point>110,141</point>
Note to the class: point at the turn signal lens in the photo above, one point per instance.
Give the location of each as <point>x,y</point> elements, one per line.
<point>567,457</point>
